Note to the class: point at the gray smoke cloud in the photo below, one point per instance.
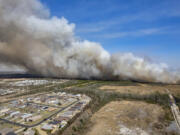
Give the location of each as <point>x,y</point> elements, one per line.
<point>41,44</point>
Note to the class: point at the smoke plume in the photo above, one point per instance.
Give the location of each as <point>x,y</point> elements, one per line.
<point>41,44</point>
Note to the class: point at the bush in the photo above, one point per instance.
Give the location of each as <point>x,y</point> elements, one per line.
<point>74,129</point>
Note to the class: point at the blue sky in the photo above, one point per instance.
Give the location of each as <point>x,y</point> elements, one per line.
<point>148,28</point>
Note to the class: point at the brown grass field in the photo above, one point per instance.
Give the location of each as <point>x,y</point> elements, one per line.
<point>130,118</point>
<point>143,89</point>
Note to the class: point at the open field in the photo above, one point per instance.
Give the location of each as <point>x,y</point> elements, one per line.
<point>143,89</point>
<point>139,89</point>
<point>127,87</point>
<point>130,118</point>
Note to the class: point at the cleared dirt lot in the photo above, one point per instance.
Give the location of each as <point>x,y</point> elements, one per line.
<point>130,118</point>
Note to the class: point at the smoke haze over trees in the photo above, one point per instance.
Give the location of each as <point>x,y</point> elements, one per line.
<point>33,40</point>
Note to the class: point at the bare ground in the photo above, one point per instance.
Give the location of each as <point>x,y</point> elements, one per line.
<point>130,118</point>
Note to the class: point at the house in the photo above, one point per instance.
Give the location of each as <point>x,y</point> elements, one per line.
<point>61,118</point>
<point>35,118</point>
<point>3,111</point>
<point>25,116</point>
<point>63,124</point>
<point>53,101</point>
<point>47,127</point>
<point>23,106</point>
<point>9,112</point>
<point>14,103</point>
<point>14,113</point>
<point>29,99</point>
<point>55,122</point>
<point>44,108</point>
<point>78,95</point>
<point>51,109</point>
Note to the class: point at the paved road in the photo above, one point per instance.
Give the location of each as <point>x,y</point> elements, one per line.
<point>174,109</point>
<point>44,105</point>
<point>34,125</point>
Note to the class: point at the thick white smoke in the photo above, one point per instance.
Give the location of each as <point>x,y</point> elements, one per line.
<point>46,45</point>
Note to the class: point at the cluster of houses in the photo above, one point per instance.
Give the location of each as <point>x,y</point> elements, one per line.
<point>36,109</point>
<point>29,82</point>
<point>7,91</point>
<point>34,82</point>
<point>17,116</point>
<point>62,119</point>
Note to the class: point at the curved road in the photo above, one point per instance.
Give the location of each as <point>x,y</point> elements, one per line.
<point>34,125</point>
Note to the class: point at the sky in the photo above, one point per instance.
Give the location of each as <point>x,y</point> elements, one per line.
<point>147,28</point>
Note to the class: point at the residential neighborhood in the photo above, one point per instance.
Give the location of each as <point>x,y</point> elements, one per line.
<point>47,113</point>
